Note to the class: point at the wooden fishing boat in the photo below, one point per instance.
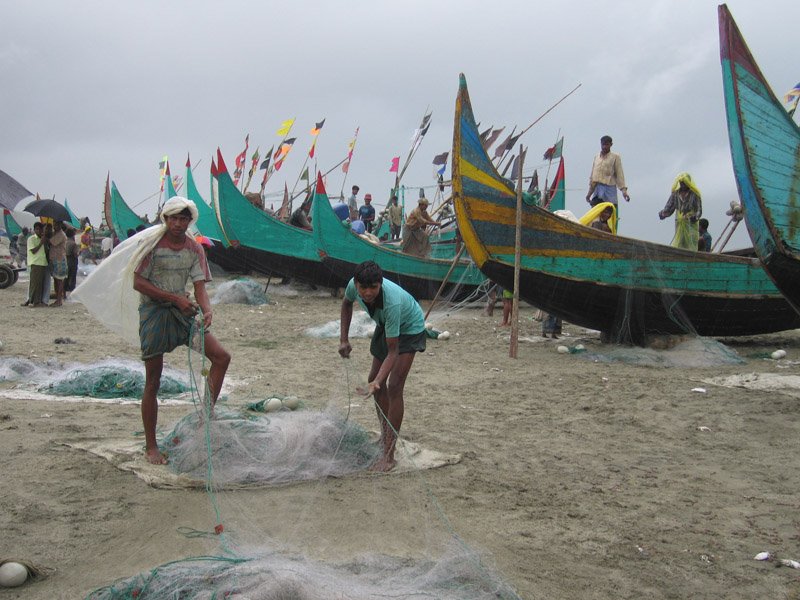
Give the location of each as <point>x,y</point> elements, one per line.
<point>765,144</point>
<point>266,244</point>
<point>342,250</point>
<point>628,289</point>
<point>119,216</point>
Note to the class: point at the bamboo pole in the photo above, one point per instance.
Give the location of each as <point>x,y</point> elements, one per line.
<point>512,350</point>
<point>444,281</point>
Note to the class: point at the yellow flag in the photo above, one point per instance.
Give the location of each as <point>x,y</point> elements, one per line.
<point>285,127</point>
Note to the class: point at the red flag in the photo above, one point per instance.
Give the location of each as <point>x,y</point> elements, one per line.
<point>395,165</point>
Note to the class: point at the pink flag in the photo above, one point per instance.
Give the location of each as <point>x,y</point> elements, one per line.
<point>395,164</point>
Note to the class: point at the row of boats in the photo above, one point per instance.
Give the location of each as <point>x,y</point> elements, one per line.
<point>628,289</point>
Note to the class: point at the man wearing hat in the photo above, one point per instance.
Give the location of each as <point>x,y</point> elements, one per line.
<point>352,203</point>
<point>367,213</point>
<point>415,235</point>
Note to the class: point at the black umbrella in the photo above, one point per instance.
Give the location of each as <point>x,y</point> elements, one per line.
<point>48,208</point>
<point>11,191</point>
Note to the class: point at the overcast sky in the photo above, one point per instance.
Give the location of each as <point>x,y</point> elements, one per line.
<point>96,87</point>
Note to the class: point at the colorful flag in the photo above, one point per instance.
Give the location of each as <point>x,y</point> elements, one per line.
<point>317,128</point>
<point>351,146</point>
<point>420,132</point>
<point>484,134</point>
<point>163,166</point>
<point>557,193</point>
<point>515,164</point>
<point>506,145</point>
<point>285,127</point>
<point>492,138</point>
<point>237,173</point>
<point>792,95</point>
<point>304,176</point>
<point>395,165</point>
<point>533,188</point>
<point>311,150</point>
<point>554,152</point>
<point>265,163</point>
<point>188,162</point>
<point>284,148</point>
<point>280,154</point>
<point>441,159</point>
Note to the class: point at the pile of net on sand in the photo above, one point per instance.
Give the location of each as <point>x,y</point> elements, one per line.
<point>109,381</point>
<point>103,379</point>
<point>361,326</point>
<point>282,447</point>
<point>240,291</point>
<point>459,575</point>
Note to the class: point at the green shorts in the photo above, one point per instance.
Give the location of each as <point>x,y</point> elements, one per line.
<point>414,342</point>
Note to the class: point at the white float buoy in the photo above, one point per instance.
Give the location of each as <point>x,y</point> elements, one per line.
<point>13,574</point>
<point>762,556</point>
<point>778,354</point>
<point>580,347</point>
<point>273,404</point>
<point>562,350</point>
<point>444,335</point>
<point>291,403</point>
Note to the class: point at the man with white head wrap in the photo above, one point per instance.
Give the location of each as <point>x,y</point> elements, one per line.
<point>157,263</point>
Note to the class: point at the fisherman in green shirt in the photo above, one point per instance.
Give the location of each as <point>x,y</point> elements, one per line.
<point>399,335</point>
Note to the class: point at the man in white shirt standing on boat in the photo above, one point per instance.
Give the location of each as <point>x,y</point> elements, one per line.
<point>352,203</point>
<point>607,176</point>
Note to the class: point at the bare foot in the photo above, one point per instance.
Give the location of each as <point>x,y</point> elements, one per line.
<point>383,465</point>
<point>544,335</point>
<point>504,325</point>
<point>155,457</point>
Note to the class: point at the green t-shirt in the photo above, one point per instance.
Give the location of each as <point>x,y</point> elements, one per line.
<point>394,309</point>
<point>36,258</point>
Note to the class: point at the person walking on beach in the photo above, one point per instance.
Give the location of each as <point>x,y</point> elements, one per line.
<point>162,266</point>
<point>399,335</point>
<point>685,202</point>
<point>606,176</point>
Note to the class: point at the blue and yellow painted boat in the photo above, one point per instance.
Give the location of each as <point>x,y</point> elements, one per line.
<point>628,289</point>
<point>341,251</point>
<point>765,147</point>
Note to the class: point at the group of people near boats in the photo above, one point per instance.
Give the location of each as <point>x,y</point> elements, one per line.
<point>607,176</point>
